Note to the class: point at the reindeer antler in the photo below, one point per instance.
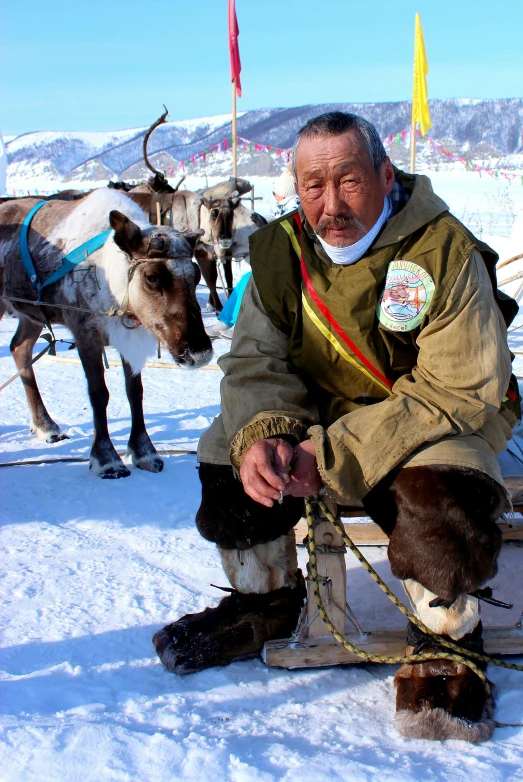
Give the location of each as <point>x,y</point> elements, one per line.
<point>158,122</point>
<point>177,185</point>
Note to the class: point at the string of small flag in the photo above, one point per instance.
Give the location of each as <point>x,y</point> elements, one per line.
<point>285,155</point>
<point>403,137</point>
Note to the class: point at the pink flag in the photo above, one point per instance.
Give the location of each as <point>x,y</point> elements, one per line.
<point>234,50</point>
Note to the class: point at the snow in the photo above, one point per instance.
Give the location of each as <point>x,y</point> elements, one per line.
<point>101,139</point>
<point>212,122</point>
<point>90,569</point>
<point>3,165</point>
<point>97,139</point>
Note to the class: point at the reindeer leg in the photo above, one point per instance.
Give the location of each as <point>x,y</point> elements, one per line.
<point>3,303</point>
<point>143,452</point>
<point>227,269</point>
<point>22,346</point>
<point>210,275</point>
<point>103,459</point>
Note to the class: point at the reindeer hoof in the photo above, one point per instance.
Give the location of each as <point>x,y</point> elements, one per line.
<point>151,463</point>
<point>115,472</point>
<point>48,433</point>
<point>111,469</point>
<point>55,438</point>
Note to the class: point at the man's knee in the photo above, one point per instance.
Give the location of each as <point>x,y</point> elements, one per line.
<point>442,526</point>
<point>229,517</point>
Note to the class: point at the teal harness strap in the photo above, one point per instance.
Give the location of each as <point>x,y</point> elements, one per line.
<point>71,260</point>
<point>75,257</point>
<point>23,246</point>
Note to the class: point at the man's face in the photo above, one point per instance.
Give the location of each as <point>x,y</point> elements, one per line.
<point>340,192</point>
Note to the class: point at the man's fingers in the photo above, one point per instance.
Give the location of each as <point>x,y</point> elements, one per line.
<point>267,471</point>
<point>264,471</point>
<point>259,484</point>
<point>302,488</point>
<point>257,497</point>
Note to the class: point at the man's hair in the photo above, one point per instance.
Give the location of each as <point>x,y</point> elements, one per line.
<point>335,123</point>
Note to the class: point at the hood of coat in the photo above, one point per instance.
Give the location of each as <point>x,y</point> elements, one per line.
<point>422,207</point>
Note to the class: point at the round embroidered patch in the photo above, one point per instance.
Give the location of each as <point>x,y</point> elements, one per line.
<point>406,297</point>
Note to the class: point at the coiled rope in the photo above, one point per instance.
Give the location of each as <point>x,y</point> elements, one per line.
<point>456,652</point>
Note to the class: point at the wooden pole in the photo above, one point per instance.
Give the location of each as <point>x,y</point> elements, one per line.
<point>415,76</point>
<point>234,172</point>
<point>412,147</point>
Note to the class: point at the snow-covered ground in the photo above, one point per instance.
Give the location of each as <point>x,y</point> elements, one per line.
<point>91,568</point>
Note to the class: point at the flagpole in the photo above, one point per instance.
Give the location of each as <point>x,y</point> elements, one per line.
<point>234,140</point>
<point>414,87</point>
<point>412,148</point>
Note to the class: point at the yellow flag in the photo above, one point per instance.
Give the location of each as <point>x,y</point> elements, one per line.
<point>420,97</point>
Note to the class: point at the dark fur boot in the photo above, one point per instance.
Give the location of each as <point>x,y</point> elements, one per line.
<point>442,699</point>
<point>229,517</point>
<point>236,629</point>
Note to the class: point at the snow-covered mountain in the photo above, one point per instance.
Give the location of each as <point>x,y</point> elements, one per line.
<point>492,128</point>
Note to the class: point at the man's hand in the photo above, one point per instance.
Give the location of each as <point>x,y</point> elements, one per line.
<point>265,468</point>
<point>305,478</point>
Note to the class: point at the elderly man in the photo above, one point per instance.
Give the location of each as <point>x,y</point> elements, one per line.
<point>369,362</point>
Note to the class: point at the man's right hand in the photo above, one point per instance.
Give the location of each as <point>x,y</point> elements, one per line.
<point>265,470</point>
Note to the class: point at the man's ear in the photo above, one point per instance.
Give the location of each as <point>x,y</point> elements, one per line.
<point>387,177</point>
<point>127,235</point>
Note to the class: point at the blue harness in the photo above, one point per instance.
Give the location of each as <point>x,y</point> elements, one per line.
<point>71,260</point>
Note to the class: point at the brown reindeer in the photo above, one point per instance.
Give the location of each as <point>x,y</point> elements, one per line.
<point>226,224</point>
<point>144,272</point>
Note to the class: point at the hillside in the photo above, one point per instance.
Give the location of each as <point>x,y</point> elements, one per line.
<point>487,128</point>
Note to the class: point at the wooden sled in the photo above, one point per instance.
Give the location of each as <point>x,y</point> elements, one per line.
<point>312,646</point>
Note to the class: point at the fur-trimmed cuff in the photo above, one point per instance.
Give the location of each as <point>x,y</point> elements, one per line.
<point>260,429</point>
<point>339,469</point>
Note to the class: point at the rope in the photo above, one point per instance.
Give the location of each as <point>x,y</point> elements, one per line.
<point>59,306</point>
<point>50,346</point>
<point>122,311</point>
<point>457,653</point>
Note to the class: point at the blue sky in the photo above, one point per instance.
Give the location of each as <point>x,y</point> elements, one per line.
<point>111,64</point>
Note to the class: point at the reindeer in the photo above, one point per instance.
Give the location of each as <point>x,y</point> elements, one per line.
<point>143,273</point>
<point>226,224</point>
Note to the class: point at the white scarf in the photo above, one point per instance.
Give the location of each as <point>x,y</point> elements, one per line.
<point>347,255</point>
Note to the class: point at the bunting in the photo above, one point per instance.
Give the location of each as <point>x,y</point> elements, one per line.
<point>401,137</point>
<point>193,162</point>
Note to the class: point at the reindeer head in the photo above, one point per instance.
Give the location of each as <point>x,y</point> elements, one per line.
<point>162,287</point>
<point>221,217</point>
